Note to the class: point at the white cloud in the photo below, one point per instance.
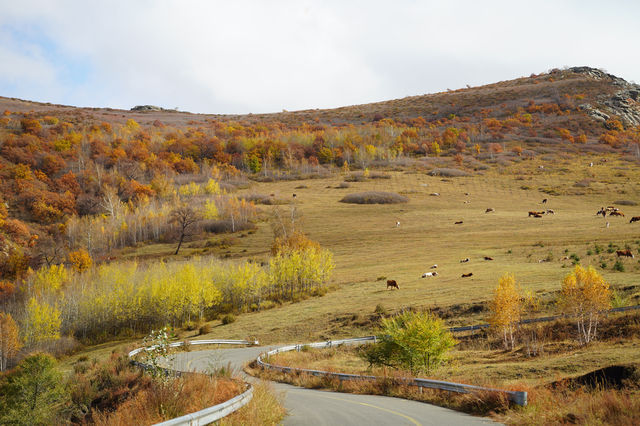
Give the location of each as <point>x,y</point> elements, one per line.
<point>265,56</point>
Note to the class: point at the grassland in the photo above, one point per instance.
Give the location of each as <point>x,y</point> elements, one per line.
<point>367,245</point>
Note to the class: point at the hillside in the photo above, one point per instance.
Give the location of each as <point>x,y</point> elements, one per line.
<point>600,94</point>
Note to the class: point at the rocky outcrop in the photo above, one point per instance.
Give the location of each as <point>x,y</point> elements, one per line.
<point>624,103</point>
<point>146,108</point>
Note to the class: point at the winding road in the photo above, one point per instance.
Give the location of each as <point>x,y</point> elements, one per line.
<point>317,407</point>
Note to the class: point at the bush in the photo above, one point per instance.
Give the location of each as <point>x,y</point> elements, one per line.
<point>374,197</point>
<point>618,266</point>
<point>446,172</point>
<point>344,185</point>
<point>625,203</point>
<point>228,319</point>
<point>204,329</point>
<point>418,341</point>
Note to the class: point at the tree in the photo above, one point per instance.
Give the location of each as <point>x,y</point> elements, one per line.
<point>9,341</point>
<point>186,218</point>
<point>585,295</point>
<point>506,309</point>
<point>34,393</point>
<point>42,322</point>
<point>80,260</point>
<point>418,341</point>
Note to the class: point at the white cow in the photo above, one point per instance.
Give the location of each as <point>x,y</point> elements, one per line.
<point>429,274</point>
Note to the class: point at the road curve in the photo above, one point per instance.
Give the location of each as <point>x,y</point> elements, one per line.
<point>316,407</point>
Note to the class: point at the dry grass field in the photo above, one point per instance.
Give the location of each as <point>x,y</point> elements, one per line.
<point>368,245</point>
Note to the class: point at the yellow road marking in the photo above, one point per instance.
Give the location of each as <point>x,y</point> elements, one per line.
<point>411,419</point>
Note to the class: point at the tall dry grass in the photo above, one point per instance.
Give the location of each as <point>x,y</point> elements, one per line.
<point>264,409</point>
<point>165,401</point>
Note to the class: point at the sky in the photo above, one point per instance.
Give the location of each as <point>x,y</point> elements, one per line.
<point>267,56</point>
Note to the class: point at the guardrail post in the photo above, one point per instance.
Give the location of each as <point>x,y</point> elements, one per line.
<point>375,339</point>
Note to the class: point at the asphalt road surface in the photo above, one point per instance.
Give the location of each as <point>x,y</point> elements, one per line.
<point>317,407</point>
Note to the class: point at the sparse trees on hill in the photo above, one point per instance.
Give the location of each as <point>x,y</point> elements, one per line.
<point>9,340</point>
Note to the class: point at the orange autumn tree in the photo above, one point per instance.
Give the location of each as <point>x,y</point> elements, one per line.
<point>9,341</point>
<point>80,260</point>
<point>506,309</point>
<point>585,295</point>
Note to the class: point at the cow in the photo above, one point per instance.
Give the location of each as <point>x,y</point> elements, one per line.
<point>392,284</point>
<point>458,222</point>
<point>490,210</point>
<point>435,194</point>
<point>430,274</point>
<point>544,201</point>
<point>397,224</point>
<point>549,211</point>
<point>616,213</point>
<point>602,212</point>
<point>635,219</point>
<point>488,258</point>
<point>535,214</point>
<point>625,253</point>
<point>464,260</point>
<point>433,266</point>
<point>467,275</point>
<point>294,195</point>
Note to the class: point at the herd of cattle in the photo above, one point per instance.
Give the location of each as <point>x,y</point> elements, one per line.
<point>610,210</point>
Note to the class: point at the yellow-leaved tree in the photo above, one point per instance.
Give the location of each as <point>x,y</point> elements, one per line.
<point>42,322</point>
<point>585,295</point>
<point>506,309</point>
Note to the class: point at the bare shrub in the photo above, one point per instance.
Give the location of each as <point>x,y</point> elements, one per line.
<point>374,197</point>
<point>447,172</point>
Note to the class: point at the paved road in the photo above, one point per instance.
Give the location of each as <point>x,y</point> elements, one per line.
<point>316,407</point>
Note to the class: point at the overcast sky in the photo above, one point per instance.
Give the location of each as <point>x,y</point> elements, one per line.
<point>251,56</point>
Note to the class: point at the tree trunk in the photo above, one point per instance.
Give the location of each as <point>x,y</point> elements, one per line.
<point>179,243</point>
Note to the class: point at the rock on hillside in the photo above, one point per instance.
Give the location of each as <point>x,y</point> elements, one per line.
<point>624,103</point>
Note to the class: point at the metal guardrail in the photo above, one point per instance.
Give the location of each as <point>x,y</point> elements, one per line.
<point>516,397</point>
<point>534,320</point>
<point>210,414</point>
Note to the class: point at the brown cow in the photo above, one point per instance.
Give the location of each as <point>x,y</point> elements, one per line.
<point>392,284</point>
<point>467,275</point>
<point>635,219</point>
<point>490,210</point>
<point>626,253</point>
<point>536,214</point>
<point>488,258</point>
<point>459,222</point>
<point>616,213</point>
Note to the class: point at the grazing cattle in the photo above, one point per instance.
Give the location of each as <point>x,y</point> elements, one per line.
<point>541,167</point>
<point>392,284</point>
<point>612,209</point>
<point>490,210</point>
<point>434,194</point>
<point>624,253</point>
<point>430,274</point>
<point>635,219</point>
<point>544,201</point>
<point>467,275</point>
<point>549,211</point>
<point>542,260</point>
<point>466,193</point>
<point>488,258</point>
<point>397,224</point>
<point>535,214</point>
<point>294,195</point>
<point>466,202</point>
<point>590,164</point>
<point>433,266</point>
<point>602,211</point>
<point>464,260</point>
<point>616,213</point>
<point>459,222</point>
